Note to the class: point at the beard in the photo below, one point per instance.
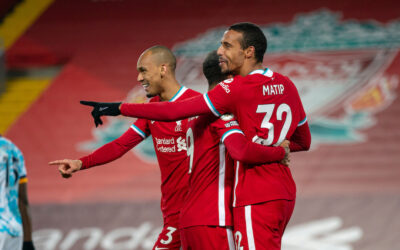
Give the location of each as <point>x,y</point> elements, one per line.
<point>149,95</point>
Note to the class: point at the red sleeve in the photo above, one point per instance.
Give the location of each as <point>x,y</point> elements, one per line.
<point>221,99</point>
<point>301,138</point>
<point>240,148</point>
<point>112,150</point>
<point>167,111</point>
<point>141,126</point>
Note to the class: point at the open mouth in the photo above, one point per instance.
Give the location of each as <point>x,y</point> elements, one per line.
<point>222,61</point>
<point>146,86</point>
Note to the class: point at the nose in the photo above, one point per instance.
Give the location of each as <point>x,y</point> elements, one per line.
<point>220,50</point>
<point>140,77</point>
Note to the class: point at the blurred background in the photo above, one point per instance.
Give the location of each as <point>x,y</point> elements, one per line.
<point>342,55</point>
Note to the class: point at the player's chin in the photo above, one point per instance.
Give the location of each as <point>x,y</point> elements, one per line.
<point>225,70</point>
<point>150,95</point>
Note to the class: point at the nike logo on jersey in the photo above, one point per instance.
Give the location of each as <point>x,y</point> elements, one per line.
<point>102,108</point>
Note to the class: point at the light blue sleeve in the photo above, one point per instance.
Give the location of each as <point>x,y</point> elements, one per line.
<point>20,162</point>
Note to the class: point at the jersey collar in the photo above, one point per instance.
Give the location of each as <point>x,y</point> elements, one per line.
<point>265,72</point>
<point>178,94</point>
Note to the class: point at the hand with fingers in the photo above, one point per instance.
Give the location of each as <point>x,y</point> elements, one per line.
<point>67,167</point>
<point>285,144</point>
<point>102,109</point>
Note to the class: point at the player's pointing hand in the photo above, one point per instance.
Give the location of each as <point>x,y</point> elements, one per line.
<point>101,109</point>
<point>67,167</point>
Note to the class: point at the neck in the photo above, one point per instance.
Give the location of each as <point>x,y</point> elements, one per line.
<point>249,67</point>
<point>171,87</point>
<point>211,86</point>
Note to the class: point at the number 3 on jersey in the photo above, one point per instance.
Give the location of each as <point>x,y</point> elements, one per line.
<point>268,109</point>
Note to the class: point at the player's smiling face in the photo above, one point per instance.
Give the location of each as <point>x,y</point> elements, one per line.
<point>230,52</point>
<point>149,75</point>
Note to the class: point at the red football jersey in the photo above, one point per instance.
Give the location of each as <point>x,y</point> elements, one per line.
<point>209,200</point>
<point>268,108</point>
<point>169,140</point>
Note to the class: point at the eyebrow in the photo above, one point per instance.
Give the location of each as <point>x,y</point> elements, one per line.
<point>226,43</point>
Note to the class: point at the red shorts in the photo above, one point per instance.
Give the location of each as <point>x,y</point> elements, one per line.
<point>207,237</point>
<point>261,226</point>
<point>169,237</point>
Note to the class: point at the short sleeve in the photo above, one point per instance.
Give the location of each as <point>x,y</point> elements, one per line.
<point>225,126</point>
<point>221,99</point>
<point>19,160</point>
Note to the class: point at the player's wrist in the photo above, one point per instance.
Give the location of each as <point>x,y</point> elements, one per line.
<point>80,163</point>
<point>84,163</point>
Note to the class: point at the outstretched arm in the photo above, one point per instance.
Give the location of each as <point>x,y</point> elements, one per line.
<point>167,111</point>
<point>107,153</point>
<point>158,111</point>
<point>112,150</point>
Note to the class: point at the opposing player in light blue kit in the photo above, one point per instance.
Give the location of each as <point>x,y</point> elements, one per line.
<point>15,223</point>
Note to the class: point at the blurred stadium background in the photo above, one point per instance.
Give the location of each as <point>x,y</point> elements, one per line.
<point>342,55</point>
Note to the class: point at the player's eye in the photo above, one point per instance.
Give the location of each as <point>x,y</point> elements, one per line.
<point>226,45</point>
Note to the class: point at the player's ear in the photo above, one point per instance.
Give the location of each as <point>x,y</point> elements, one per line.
<point>163,70</point>
<point>250,52</point>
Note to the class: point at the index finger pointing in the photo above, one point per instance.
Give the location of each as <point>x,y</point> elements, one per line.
<point>88,103</point>
<point>58,162</point>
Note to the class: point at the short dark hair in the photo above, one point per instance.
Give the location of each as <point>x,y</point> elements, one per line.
<point>252,36</point>
<point>212,70</point>
<point>165,55</point>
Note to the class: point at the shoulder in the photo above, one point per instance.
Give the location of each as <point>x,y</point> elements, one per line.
<point>233,81</point>
<point>229,84</point>
<point>191,93</point>
<point>261,74</point>
<point>7,144</point>
<point>10,148</point>
<point>183,93</point>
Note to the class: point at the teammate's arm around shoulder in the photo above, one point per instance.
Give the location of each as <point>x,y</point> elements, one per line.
<point>242,149</point>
